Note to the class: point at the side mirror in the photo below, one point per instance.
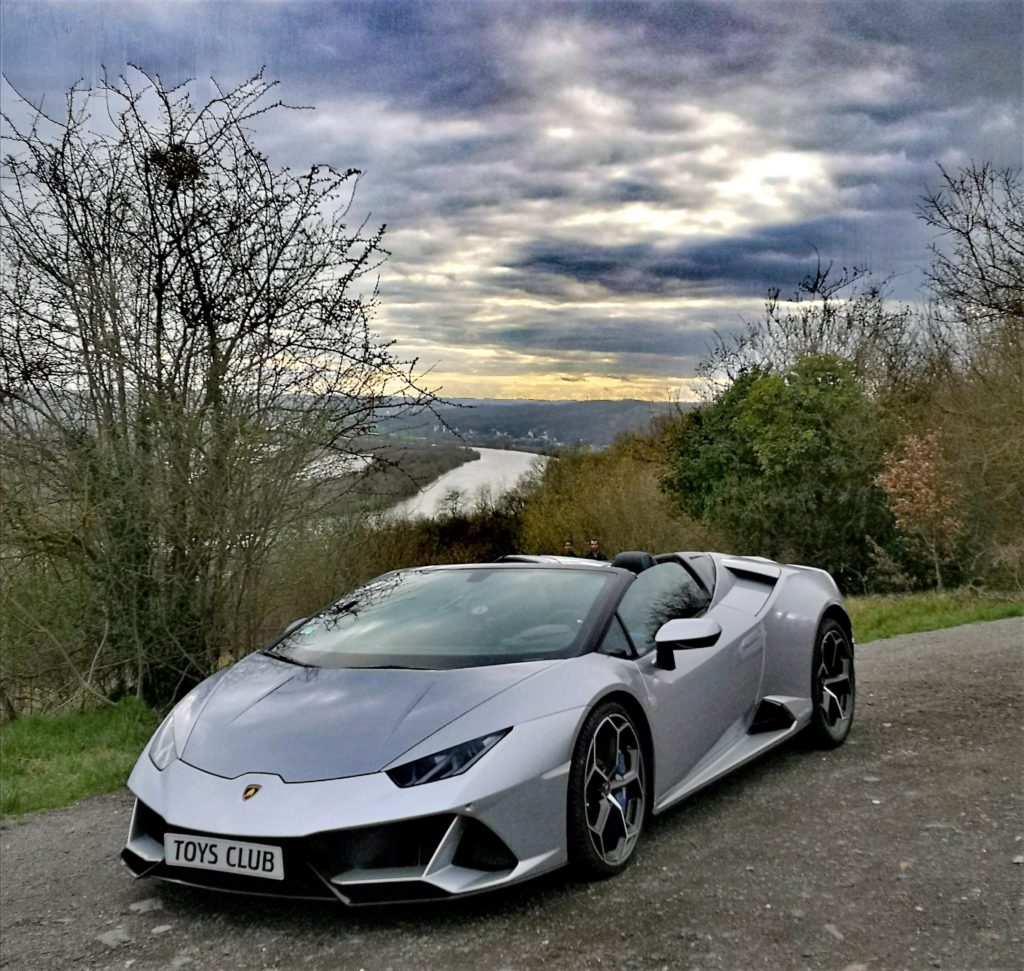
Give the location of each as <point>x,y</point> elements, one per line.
<point>293,625</point>
<point>684,634</point>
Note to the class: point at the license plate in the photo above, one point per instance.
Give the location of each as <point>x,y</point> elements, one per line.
<point>228,856</point>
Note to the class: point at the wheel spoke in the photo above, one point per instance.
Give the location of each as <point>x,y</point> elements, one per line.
<point>631,829</point>
<point>835,686</point>
<point>624,780</point>
<point>603,812</point>
<point>593,766</point>
<point>831,704</point>
<point>621,811</point>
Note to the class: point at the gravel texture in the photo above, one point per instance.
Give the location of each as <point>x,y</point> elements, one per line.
<point>902,849</point>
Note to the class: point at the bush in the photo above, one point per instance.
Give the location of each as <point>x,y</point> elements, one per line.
<point>783,464</point>
<point>613,496</point>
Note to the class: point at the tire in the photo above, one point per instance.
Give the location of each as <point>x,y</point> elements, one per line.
<point>833,686</point>
<point>607,798</point>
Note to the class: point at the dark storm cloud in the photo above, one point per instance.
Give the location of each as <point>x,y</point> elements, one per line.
<point>961,49</point>
<point>413,53</point>
<point>773,256</point>
<point>417,54</point>
<point>635,190</point>
<point>617,336</point>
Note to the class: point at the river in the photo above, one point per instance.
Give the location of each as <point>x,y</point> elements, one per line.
<point>497,471</point>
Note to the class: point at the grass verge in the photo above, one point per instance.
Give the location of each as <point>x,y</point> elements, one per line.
<point>886,616</point>
<point>48,761</point>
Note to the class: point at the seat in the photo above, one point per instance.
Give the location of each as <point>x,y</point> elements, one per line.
<point>634,561</point>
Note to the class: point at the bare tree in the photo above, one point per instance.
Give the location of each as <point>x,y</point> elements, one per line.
<point>977,271</point>
<point>844,314</point>
<point>185,328</point>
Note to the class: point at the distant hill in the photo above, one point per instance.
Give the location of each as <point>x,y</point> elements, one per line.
<point>530,425</point>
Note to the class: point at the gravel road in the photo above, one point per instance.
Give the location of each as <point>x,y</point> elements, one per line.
<point>903,849</point>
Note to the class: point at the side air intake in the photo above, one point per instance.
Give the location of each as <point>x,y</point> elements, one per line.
<point>771,716</point>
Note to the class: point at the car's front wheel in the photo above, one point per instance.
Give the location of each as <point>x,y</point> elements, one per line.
<point>607,792</point>
<point>833,685</point>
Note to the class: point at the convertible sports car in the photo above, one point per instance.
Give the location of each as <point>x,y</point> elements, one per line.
<point>452,729</point>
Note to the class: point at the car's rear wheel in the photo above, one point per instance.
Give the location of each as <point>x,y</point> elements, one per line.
<point>607,792</point>
<point>833,685</point>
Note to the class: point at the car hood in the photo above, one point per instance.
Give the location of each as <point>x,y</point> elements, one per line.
<point>308,724</point>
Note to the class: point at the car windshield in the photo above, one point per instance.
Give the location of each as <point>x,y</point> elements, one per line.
<point>461,617</point>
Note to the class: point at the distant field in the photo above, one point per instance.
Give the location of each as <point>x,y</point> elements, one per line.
<point>51,761</point>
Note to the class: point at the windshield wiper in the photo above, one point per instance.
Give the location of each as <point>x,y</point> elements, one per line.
<point>285,658</point>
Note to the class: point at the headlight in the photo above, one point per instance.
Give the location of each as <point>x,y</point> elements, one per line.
<point>443,765</point>
<point>163,749</point>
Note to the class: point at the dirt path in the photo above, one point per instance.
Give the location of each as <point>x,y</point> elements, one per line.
<point>903,849</point>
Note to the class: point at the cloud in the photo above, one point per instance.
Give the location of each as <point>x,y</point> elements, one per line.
<point>588,189</point>
<point>748,264</point>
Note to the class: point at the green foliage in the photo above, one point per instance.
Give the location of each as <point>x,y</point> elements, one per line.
<point>707,460</point>
<point>877,617</point>
<point>45,619</point>
<point>783,464</point>
<point>55,760</point>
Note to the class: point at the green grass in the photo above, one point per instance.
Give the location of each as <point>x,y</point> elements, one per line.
<point>886,616</point>
<point>51,761</point>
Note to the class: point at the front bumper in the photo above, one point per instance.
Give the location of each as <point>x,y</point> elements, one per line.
<point>420,859</point>
<point>363,840</point>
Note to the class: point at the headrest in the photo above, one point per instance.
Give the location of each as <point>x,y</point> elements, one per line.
<point>634,560</point>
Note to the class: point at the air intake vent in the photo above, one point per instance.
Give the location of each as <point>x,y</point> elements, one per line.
<point>771,716</point>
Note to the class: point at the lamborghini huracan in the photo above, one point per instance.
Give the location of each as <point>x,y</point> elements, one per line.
<point>446,730</point>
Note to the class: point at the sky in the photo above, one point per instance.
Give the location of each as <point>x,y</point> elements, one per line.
<point>579,195</point>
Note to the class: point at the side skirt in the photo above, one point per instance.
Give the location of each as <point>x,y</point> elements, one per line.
<point>775,720</point>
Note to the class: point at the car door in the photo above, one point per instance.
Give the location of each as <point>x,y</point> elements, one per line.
<point>704,702</point>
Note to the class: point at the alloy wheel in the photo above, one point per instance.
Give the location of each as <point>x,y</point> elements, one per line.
<point>614,789</point>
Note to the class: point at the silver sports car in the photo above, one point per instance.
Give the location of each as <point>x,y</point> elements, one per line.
<point>446,730</point>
